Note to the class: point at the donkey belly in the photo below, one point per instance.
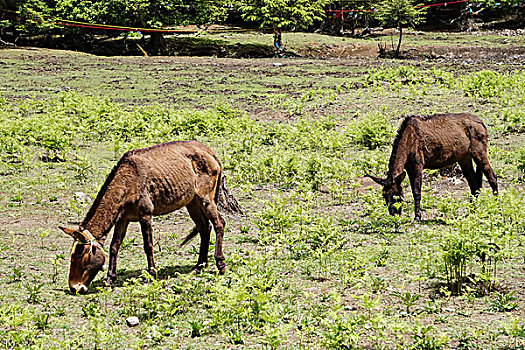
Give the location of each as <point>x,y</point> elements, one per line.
<point>172,190</point>
<point>445,154</point>
<point>167,200</point>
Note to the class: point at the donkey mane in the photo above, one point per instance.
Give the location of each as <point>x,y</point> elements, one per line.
<point>395,146</point>
<point>101,193</point>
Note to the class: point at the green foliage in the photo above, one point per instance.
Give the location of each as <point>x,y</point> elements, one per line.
<point>400,14</point>
<point>493,85</point>
<point>520,163</point>
<point>26,16</point>
<point>484,84</point>
<point>478,239</point>
<point>424,339</point>
<point>16,274</point>
<point>34,291</point>
<point>504,302</point>
<point>511,120</point>
<point>282,13</point>
<point>341,333</point>
<point>407,298</point>
<point>371,131</point>
<point>514,328</point>
<point>283,222</point>
<point>404,75</point>
<point>143,13</point>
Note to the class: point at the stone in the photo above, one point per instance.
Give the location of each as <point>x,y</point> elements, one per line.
<point>132,321</point>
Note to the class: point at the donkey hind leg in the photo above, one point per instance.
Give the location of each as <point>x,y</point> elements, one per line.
<point>147,236</point>
<point>210,210</point>
<point>202,225</point>
<point>473,177</point>
<point>482,162</point>
<point>118,236</point>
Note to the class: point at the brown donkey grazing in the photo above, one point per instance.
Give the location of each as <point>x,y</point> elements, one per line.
<point>146,182</point>
<point>434,142</point>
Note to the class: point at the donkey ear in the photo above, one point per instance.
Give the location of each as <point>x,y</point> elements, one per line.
<point>401,177</point>
<point>76,234</point>
<point>378,180</point>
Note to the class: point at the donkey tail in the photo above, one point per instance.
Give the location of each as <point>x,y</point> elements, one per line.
<point>224,199</point>
<point>194,232</point>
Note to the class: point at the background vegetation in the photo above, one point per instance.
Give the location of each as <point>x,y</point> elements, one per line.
<point>75,22</point>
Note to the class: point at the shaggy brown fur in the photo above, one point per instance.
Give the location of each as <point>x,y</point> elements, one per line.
<point>435,142</point>
<point>146,182</point>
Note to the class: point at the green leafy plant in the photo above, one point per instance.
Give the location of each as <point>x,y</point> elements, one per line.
<point>56,261</point>
<point>424,339</point>
<point>504,302</point>
<point>408,299</point>
<point>34,292</point>
<point>17,273</point>
<point>514,328</point>
<point>197,328</point>
<point>341,333</point>
<point>42,320</point>
<point>371,131</point>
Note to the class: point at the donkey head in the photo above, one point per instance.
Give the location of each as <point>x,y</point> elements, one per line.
<point>392,192</point>
<point>87,259</point>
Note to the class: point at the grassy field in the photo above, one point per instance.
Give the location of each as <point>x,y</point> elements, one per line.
<point>316,262</point>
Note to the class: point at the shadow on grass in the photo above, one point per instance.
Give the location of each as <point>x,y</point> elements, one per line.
<point>435,221</point>
<point>126,275</point>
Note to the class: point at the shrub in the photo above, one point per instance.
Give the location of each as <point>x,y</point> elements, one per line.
<point>480,234</point>
<point>513,120</point>
<point>371,131</point>
<point>491,84</point>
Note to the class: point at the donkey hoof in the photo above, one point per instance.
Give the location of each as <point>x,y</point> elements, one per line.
<point>222,268</point>
<point>197,269</point>
<point>153,273</point>
<point>110,284</point>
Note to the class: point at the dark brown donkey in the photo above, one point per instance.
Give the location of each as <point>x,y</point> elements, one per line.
<point>434,142</point>
<point>146,182</point>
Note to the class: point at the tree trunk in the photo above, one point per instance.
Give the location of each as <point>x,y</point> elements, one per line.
<point>399,42</point>
<point>157,44</point>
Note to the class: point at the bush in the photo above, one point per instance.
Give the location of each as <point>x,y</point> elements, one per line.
<point>480,235</point>
<point>490,84</point>
<point>371,131</point>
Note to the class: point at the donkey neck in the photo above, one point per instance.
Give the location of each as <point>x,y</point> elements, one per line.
<point>108,207</point>
<point>404,144</point>
<point>104,217</point>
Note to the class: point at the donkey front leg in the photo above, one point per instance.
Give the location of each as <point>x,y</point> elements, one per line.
<point>415,178</point>
<point>118,236</point>
<point>147,236</point>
